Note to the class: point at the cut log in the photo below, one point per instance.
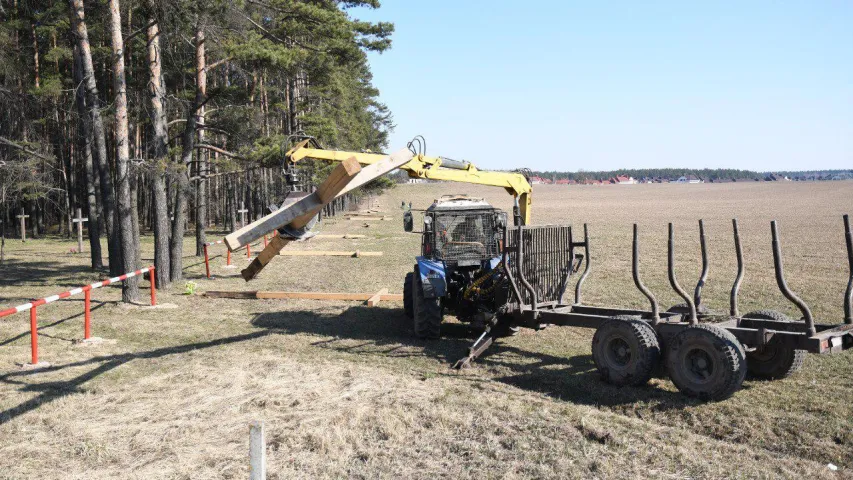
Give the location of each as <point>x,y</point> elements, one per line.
<point>300,213</point>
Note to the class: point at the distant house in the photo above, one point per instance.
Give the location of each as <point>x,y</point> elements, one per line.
<point>623,180</point>
<point>562,181</point>
<point>536,180</point>
<point>689,179</point>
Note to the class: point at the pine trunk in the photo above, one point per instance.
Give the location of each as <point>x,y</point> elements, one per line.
<point>129,254</point>
<point>201,157</point>
<point>160,137</point>
<point>94,224</point>
<point>100,157</point>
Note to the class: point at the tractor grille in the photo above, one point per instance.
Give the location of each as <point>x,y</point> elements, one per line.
<point>464,237</point>
<point>547,261</point>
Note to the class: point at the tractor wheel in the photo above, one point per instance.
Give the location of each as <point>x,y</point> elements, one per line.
<point>773,362</point>
<point>706,362</point>
<point>407,295</point>
<point>626,351</point>
<point>427,312</point>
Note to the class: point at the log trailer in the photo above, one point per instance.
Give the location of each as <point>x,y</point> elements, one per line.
<point>501,277</point>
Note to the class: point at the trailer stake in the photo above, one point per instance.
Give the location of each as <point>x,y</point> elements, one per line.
<point>848,296</point>
<point>635,270</point>
<point>672,280</point>
<point>740,271</point>
<point>783,285</point>
<point>697,295</point>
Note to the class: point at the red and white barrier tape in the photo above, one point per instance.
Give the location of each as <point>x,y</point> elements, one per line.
<point>75,291</point>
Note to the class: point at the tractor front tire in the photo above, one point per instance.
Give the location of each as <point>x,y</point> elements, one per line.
<point>407,296</point>
<point>773,362</point>
<point>706,362</point>
<point>625,351</point>
<point>427,312</point>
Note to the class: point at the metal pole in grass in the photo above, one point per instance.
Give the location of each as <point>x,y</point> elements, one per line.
<point>257,451</point>
<point>34,337</point>
<point>153,278</point>
<point>87,315</point>
<point>206,261</point>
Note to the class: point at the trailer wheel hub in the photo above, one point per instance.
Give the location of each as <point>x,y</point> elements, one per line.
<point>699,364</point>
<point>620,352</point>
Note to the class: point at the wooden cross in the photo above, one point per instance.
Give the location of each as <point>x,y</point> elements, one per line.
<point>79,221</point>
<point>242,213</point>
<point>23,225</point>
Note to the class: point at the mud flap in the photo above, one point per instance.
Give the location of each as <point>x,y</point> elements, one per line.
<point>432,277</point>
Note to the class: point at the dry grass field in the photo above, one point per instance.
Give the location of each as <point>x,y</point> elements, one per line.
<point>346,391</point>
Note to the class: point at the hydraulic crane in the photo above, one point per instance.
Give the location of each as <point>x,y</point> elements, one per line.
<point>431,168</point>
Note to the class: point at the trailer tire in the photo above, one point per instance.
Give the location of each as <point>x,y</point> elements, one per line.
<point>625,351</point>
<point>773,362</point>
<point>407,295</point>
<point>706,362</point>
<point>427,312</point>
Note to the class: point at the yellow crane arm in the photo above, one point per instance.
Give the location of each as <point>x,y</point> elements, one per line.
<point>422,166</point>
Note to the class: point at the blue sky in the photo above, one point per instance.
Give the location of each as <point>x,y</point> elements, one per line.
<point>564,85</point>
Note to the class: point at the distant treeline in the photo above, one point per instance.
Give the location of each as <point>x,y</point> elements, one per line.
<point>706,174</point>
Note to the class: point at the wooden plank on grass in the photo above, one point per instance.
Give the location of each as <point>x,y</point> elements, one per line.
<point>303,295</point>
<point>332,235</point>
<point>376,298</point>
<point>328,253</point>
<point>370,219</point>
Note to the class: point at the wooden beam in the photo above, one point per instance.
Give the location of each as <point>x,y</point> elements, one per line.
<point>369,218</point>
<point>300,213</point>
<point>362,297</point>
<point>376,298</point>
<point>345,235</point>
<point>328,253</point>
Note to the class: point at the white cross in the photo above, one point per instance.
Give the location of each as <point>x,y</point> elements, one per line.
<point>23,225</point>
<point>79,221</point>
<point>242,213</point>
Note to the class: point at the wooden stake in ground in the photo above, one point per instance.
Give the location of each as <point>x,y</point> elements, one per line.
<point>257,451</point>
<point>79,221</point>
<point>342,180</point>
<point>23,225</point>
<point>261,295</point>
<point>242,213</point>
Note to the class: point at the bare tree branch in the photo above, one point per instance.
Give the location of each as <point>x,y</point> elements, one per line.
<point>26,150</point>
<point>220,151</point>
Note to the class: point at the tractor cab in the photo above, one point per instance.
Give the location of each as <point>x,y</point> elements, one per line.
<point>462,231</point>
